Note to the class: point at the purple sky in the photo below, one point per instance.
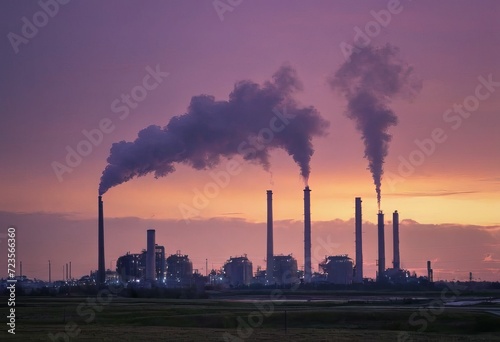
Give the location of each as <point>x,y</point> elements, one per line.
<point>67,76</point>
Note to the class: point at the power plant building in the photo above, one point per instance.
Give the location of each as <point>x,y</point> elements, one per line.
<point>160,263</point>
<point>179,270</point>
<point>338,269</point>
<point>285,269</point>
<point>130,267</point>
<point>238,271</point>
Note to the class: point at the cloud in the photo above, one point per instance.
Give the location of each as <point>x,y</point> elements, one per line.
<point>431,193</point>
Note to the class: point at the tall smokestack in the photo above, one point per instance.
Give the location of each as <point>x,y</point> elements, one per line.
<point>381,246</point>
<point>429,272</point>
<point>101,270</point>
<point>395,241</point>
<point>150,255</point>
<point>270,253</point>
<point>307,235</point>
<point>359,241</point>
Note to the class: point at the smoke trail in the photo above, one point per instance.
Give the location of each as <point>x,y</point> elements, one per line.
<point>255,120</point>
<point>368,80</point>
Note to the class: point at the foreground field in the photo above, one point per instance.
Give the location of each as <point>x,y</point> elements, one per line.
<point>128,319</point>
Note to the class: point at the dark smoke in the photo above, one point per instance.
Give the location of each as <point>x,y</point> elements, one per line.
<point>212,130</point>
<point>368,80</point>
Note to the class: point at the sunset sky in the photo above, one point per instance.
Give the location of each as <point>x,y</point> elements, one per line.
<point>71,72</point>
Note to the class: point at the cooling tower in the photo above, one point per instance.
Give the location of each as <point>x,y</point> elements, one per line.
<point>359,241</point>
<point>395,240</point>
<point>150,255</point>
<point>270,253</point>
<point>307,235</point>
<point>381,247</point>
<point>101,276</point>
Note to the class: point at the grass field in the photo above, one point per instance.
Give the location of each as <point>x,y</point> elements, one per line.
<point>94,318</point>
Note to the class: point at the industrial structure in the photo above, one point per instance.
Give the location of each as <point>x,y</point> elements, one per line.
<point>395,240</point>
<point>285,270</point>
<point>160,264</point>
<point>358,274</point>
<point>430,272</point>
<point>270,253</point>
<point>307,235</point>
<point>131,267</point>
<point>238,271</point>
<point>148,265</point>
<point>338,269</point>
<point>101,269</point>
<point>150,255</point>
<point>179,270</point>
<point>381,247</point>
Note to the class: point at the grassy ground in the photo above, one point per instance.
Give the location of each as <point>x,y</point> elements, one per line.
<point>88,319</point>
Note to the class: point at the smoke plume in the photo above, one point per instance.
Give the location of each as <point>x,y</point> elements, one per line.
<point>255,120</point>
<point>368,80</point>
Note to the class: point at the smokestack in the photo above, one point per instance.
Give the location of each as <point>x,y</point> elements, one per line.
<point>430,275</point>
<point>150,255</point>
<point>359,241</point>
<point>381,246</point>
<point>101,270</point>
<point>307,235</point>
<point>395,241</point>
<point>270,253</point>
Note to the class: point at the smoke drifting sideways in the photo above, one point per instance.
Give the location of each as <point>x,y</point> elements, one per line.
<point>369,80</point>
<point>255,120</point>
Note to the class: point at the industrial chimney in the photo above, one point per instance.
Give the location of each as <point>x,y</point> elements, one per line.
<point>270,253</point>
<point>307,235</point>
<point>381,247</point>
<point>430,275</point>
<point>150,255</point>
<point>101,271</point>
<point>395,240</point>
<point>359,242</point>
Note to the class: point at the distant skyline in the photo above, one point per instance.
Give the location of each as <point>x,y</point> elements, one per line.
<point>96,73</point>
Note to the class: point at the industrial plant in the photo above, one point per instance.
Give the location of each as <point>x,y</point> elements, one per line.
<point>152,266</point>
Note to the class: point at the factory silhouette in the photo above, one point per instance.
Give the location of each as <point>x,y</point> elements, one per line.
<point>197,138</point>
<point>151,267</point>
